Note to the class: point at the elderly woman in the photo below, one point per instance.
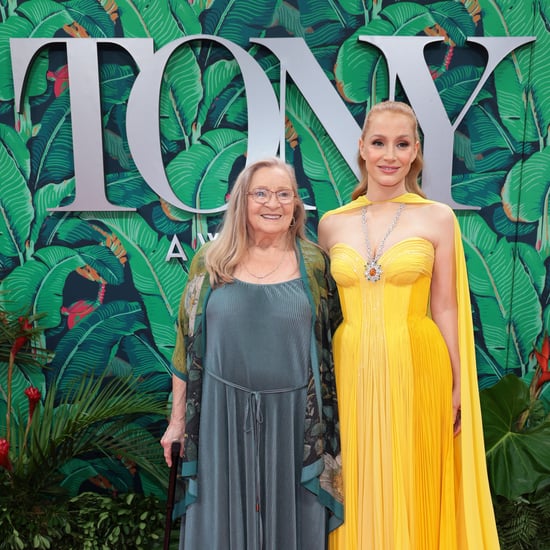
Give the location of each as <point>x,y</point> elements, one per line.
<point>254,400</point>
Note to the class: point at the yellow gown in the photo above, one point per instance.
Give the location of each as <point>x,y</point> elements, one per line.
<point>408,483</point>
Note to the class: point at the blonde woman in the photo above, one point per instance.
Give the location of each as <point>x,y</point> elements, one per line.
<point>412,443</point>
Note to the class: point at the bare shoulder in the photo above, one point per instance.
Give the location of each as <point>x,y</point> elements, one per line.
<point>434,221</point>
<point>442,220</point>
<point>441,213</point>
<point>325,230</point>
<point>335,227</point>
<point>327,220</point>
<point>434,213</point>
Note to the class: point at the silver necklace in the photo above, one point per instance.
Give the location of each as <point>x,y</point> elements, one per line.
<point>373,269</point>
<point>260,277</point>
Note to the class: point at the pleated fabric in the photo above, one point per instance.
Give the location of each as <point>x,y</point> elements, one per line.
<point>409,484</point>
<point>250,494</point>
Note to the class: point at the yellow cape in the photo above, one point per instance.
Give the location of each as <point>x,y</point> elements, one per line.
<point>475,515</point>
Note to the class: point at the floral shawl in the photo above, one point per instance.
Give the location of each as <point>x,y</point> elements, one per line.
<point>321,470</point>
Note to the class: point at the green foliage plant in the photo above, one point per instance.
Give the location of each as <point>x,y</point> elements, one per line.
<point>517,440</point>
<point>89,521</point>
<point>96,416</point>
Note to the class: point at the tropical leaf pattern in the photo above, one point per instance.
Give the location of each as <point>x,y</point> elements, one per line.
<point>110,296</point>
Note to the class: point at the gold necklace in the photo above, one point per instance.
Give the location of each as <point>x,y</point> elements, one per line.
<point>260,277</point>
<point>373,269</point>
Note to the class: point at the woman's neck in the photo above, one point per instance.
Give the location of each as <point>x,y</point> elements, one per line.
<point>266,242</point>
<point>376,195</point>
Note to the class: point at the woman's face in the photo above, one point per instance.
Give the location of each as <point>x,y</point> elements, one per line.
<point>273,217</point>
<point>388,147</point>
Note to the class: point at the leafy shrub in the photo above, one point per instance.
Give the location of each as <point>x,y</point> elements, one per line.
<point>88,521</point>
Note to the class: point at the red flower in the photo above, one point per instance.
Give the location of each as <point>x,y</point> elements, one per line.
<point>60,79</point>
<point>34,397</point>
<point>78,311</point>
<point>25,326</point>
<point>542,359</point>
<point>4,454</point>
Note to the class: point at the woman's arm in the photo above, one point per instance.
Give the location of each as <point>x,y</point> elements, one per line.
<point>176,427</point>
<point>443,300</point>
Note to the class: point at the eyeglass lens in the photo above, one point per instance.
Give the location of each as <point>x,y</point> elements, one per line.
<point>261,196</point>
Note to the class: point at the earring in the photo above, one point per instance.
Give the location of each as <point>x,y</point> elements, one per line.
<point>292,222</point>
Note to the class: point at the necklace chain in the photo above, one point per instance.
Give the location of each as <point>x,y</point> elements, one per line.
<point>373,269</point>
<point>260,277</point>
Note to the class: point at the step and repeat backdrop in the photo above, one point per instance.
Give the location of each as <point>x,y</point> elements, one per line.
<point>123,125</point>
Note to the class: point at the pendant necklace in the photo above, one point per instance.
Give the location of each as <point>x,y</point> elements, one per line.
<point>373,269</point>
<point>260,277</point>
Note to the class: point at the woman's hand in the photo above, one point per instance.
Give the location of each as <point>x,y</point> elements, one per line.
<point>176,426</point>
<point>457,417</point>
<point>174,432</point>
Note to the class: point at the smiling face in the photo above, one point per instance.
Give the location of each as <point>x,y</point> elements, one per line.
<point>272,219</point>
<point>388,147</point>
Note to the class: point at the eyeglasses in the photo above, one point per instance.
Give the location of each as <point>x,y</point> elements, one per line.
<point>263,196</point>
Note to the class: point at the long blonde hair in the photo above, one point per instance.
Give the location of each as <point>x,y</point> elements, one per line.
<point>230,246</point>
<point>411,179</point>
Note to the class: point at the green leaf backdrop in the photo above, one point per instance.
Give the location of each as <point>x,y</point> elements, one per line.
<point>102,279</point>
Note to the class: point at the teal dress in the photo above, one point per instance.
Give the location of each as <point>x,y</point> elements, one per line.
<point>256,372</point>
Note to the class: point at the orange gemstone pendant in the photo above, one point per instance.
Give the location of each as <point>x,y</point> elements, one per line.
<point>373,271</point>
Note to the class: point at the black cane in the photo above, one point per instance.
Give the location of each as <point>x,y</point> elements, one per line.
<point>175,453</point>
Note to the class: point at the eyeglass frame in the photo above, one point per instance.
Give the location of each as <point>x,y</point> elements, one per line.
<point>271,193</point>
